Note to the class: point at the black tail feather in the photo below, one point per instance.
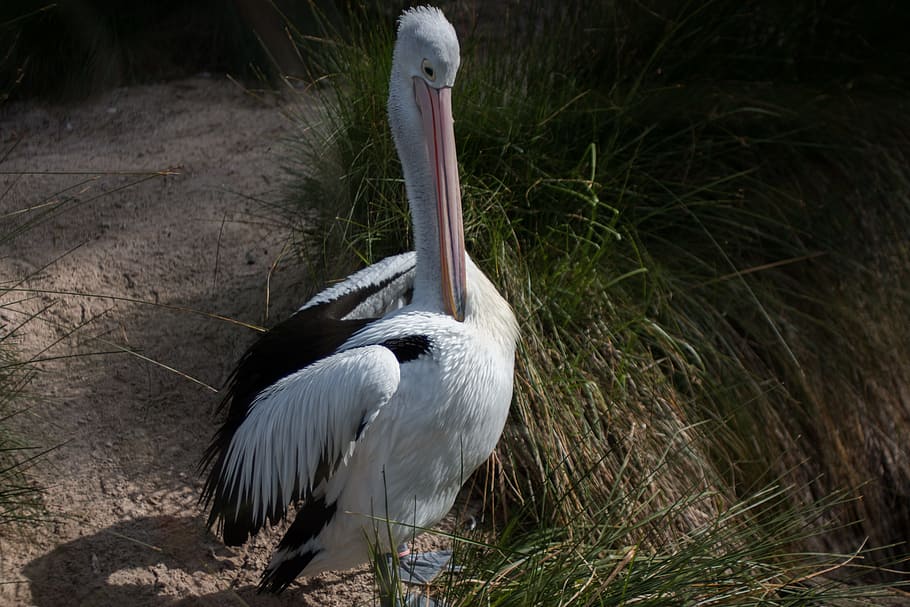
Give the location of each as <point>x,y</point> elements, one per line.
<point>276,580</point>
<point>312,517</point>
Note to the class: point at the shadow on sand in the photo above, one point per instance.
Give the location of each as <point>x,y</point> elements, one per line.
<point>158,561</point>
<point>140,550</point>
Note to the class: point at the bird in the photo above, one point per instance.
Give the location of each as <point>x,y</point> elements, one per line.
<point>370,406</point>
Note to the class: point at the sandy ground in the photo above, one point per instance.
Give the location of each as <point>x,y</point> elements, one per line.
<point>122,482</point>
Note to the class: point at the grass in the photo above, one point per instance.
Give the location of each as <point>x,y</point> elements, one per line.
<point>20,498</point>
<point>724,561</point>
<point>21,502</point>
<point>702,232</point>
<point>21,306</point>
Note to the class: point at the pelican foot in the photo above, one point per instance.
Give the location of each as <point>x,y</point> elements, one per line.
<point>424,567</point>
<point>417,569</point>
<point>420,600</point>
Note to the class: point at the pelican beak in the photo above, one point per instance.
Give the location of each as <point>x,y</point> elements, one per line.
<point>439,135</point>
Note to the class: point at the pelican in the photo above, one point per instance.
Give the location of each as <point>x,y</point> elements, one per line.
<point>371,405</point>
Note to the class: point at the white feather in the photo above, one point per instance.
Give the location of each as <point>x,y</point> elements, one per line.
<point>387,299</point>
<point>306,419</point>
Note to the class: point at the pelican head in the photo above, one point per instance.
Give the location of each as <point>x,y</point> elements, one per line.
<point>427,47</point>
<point>424,64</point>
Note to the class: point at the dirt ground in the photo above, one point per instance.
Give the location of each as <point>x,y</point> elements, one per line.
<point>122,483</point>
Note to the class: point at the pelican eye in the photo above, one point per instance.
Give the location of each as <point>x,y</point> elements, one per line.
<point>428,70</point>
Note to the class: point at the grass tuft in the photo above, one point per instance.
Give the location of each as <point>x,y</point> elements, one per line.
<point>701,227</point>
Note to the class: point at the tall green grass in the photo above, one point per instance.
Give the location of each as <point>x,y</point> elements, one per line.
<point>702,229</point>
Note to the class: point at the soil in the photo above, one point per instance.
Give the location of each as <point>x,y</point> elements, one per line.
<point>117,403</point>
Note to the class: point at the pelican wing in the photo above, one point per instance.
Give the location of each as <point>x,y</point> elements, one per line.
<point>311,337</point>
<point>296,434</point>
<point>374,291</point>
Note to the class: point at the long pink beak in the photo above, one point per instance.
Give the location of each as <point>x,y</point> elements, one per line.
<point>439,135</point>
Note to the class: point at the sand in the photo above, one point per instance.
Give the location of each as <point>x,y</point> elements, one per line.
<point>124,525</point>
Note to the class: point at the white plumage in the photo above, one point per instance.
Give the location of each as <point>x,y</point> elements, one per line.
<point>382,394</point>
<point>396,273</point>
<point>294,422</point>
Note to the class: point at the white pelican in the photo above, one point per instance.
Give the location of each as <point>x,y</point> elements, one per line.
<point>365,409</point>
